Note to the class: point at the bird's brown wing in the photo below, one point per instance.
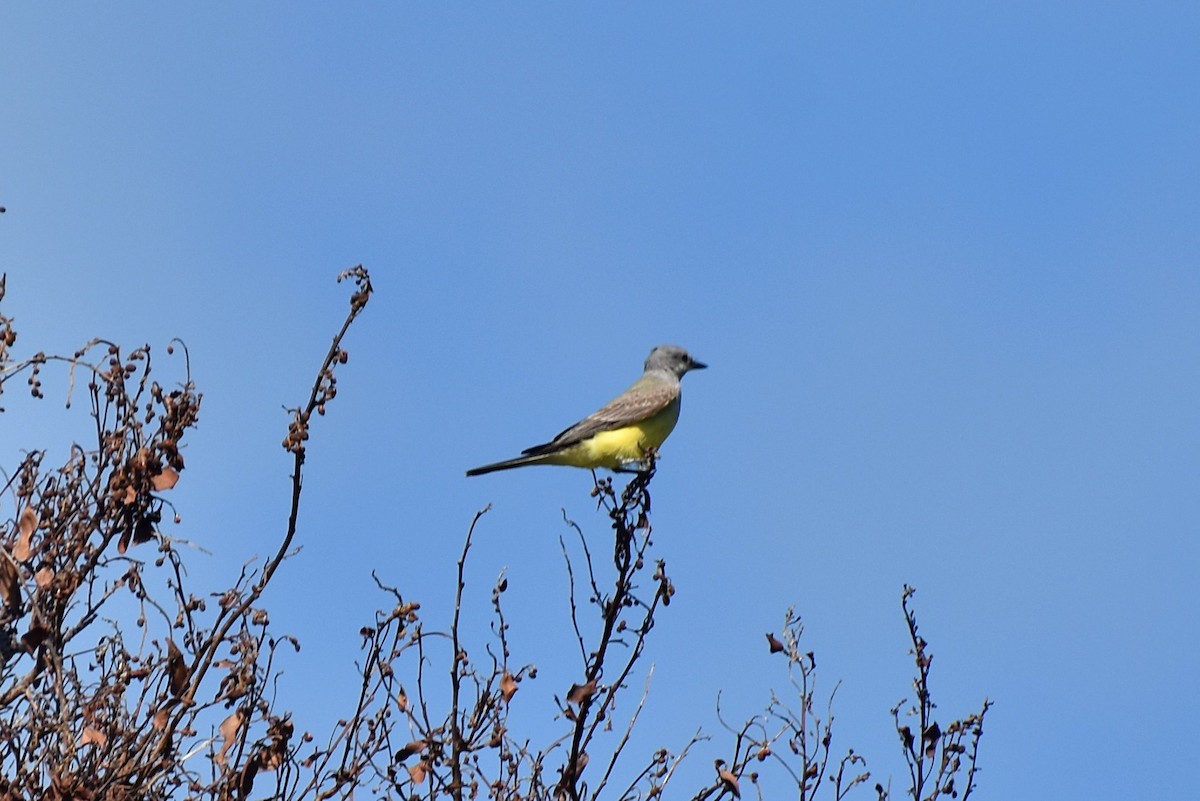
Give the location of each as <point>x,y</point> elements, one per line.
<point>630,407</point>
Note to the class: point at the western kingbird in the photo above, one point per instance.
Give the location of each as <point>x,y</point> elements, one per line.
<point>618,435</point>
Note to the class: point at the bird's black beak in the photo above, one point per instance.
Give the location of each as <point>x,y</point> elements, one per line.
<point>695,365</point>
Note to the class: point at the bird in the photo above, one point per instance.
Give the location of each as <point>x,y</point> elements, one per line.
<point>618,436</point>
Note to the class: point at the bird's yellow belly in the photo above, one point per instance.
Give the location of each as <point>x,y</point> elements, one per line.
<point>621,447</point>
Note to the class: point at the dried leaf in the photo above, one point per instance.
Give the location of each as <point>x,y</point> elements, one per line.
<point>28,522</point>
<point>230,725</point>
<point>10,585</point>
<point>508,686</point>
<point>730,781</point>
<point>44,577</point>
<point>165,480</point>
<point>775,645</point>
<point>931,736</point>
<point>274,753</point>
<point>25,526</point>
<point>402,701</point>
<point>248,774</point>
<point>415,747</point>
<point>37,634</point>
<point>177,671</point>
<point>229,730</point>
<point>160,719</point>
<point>141,458</point>
<point>581,692</point>
<point>93,736</point>
<point>418,772</point>
<point>143,531</point>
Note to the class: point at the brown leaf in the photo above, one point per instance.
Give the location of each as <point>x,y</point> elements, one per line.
<point>581,692</point>
<point>508,686</point>
<point>10,585</point>
<point>931,736</point>
<point>229,730</point>
<point>230,725</point>
<point>418,771</point>
<point>26,526</point>
<point>160,719</point>
<point>44,577</point>
<point>415,747</point>
<point>165,480</point>
<point>402,701</point>
<point>177,671</point>
<point>36,635</point>
<point>730,781</point>
<point>28,522</point>
<point>143,530</point>
<point>775,645</point>
<point>274,753</point>
<point>248,774</point>
<point>93,736</point>
<point>141,458</point>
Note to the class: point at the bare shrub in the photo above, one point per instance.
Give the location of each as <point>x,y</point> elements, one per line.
<point>120,680</point>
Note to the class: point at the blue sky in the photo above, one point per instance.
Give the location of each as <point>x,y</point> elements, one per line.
<point>942,261</point>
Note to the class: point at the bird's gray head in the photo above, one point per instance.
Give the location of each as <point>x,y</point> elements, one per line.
<point>673,359</point>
